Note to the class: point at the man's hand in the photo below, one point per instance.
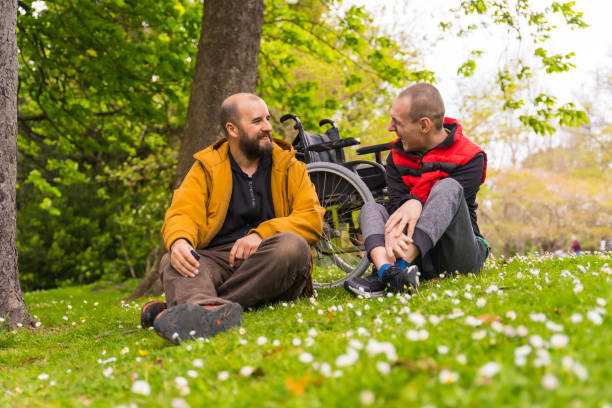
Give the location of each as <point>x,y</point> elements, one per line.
<point>396,245</point>
<point>400,227</point>
<point>244,247</point>
<point>182,260</point>
<point>404,219</point>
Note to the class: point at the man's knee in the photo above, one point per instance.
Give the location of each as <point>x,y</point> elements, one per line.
<point>448,187</point>
<point>372,209</point>
<point>292,249</point>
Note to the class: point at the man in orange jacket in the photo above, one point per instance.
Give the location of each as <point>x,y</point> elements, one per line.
<point>238,229</point>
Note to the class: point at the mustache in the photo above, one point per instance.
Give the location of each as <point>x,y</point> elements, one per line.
<point>261,135</point>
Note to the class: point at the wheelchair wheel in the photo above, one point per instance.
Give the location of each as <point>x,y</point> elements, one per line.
<point>339,254</point>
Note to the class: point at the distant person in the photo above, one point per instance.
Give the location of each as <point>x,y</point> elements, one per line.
<point>429,224</point>
<point>238,229</point>
<point>576,246</point>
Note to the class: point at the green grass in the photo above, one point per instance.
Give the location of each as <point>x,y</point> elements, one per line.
<point>82,326</point>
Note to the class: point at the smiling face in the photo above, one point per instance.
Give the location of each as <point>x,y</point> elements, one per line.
<point>253,130</point>
<point>410,132</point>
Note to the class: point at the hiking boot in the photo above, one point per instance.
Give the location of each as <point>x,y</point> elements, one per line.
<point>150,311</point>
<point>189,321</point>
<point>368,287</point>
<point>397,279</point>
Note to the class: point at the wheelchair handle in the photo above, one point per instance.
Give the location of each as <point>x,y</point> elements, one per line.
<point>327,122</point>
<point>298,122</point>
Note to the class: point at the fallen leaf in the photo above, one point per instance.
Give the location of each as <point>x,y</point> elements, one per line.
<point>297,387</point>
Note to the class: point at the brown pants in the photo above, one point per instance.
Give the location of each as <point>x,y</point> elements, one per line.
<point>278,270</point>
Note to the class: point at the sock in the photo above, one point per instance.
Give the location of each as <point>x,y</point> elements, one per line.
<point>400,263</point>
<point>382,269</point>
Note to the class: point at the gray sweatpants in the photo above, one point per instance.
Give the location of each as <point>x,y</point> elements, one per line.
<point>445,220</point>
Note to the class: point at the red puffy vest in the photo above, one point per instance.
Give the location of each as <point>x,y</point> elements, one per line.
<point>421,172</point>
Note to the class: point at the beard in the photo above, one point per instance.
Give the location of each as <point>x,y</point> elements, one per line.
<point>252,148</point>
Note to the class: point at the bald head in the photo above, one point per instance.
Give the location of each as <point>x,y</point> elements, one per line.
<point>230,108</point>
<point>425,101</point>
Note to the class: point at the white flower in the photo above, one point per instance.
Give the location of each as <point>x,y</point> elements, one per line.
<point>578,288</point>
<point>580,371</point>
<point>542,359</point>
<point>448,377</point>
<point>242,331</point>
<point>141,387</point>
<point>489,370</point>
<point>481,302</point>
<point>559,340</point>
<point>552,326</point>
<point>223,375</point>
<point>296,342</point>
<point>468,295</point>
<point>312,332</point>
<point>417,319</point>
<point>43,377</point>
<point>461,359</point>
<point>246,371</point>
<point>601,302</point>
<point>179,403</point>
<point>520,361</point>
<point>433,319</point>
<point>124,350</point>
<point>522,351</point>
<point>198,363</point>
<point>107,372</point>
<point>594,317</point>
<point>383,367</point>
<point>306,358</point>
<point>192,373</point>
<point>261,340</point>
<point>348,359</point>
<point>412,335</point>
<point>536,341</point>
<point>442,349</point>
<point>511,314</point>
<point>497,326</point>
<point>479,335</point>
<point>509,331</point>
<point>521,331</point>
<point>367,397</point>
<point>276,343</point>
<point>538,317</point>
<point>492,289</point>
<point>356,344</point>
<point>378,321</point>
<point>326,370</point>
<point>472,321</point>
<point>549,381</point>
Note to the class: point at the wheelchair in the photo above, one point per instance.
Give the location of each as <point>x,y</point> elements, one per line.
<point>343,187</point>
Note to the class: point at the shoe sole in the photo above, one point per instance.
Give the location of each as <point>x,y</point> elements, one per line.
<point>358,291</point>
<point>143,311</point>
<point>189,321</point>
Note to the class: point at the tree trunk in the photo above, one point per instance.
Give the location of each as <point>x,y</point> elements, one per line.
<point>12,306</point>
<point>226,64</point>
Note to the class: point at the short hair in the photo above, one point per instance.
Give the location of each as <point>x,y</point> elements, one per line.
<point>230,112</point>
<point>425,101</point>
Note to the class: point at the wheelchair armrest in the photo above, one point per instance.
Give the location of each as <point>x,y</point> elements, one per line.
<point>373,149</point>
<point>333,144</point>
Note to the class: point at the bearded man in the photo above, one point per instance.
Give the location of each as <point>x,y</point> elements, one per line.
<point>238,229</point>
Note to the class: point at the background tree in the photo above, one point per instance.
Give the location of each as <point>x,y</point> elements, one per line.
<point>13,310</point>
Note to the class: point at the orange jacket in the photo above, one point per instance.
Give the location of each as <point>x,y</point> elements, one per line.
<point>200,204</point>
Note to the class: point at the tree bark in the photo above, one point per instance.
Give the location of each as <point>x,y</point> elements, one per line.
<point>226,63</point>
<point>13,309</point>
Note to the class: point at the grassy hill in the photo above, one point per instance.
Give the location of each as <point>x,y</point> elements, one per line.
<point>528,331</point>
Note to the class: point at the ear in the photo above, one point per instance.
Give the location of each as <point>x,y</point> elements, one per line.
<point>232,130</point>
<point>425,124</point>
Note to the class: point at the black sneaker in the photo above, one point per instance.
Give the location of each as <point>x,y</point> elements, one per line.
<point>150,311</point>
<point>368,287</point>
<point>189,321</point>
<point>397,279</point>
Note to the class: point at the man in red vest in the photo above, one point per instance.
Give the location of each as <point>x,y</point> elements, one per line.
<point>428,226</point>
